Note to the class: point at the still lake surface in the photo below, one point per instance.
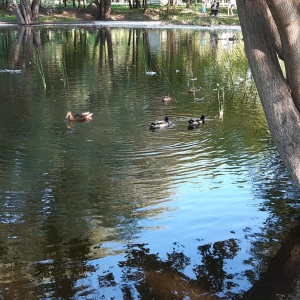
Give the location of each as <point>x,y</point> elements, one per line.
<point>110,210</point>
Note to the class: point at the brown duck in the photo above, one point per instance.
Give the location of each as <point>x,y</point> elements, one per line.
<point>166,98</point>
<point>79,117</point>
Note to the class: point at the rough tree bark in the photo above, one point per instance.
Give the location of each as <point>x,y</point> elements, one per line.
<point>271,29</point>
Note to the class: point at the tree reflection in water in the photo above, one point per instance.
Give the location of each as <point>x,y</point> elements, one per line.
<point>60,266</point>
<point>211,274</point>
<point>147,275</point>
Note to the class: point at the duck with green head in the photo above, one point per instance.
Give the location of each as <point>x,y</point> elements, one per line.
<point>194,123</point>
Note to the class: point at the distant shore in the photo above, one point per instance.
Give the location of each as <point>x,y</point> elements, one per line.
<point>131,24</point>
<point>124,17</point>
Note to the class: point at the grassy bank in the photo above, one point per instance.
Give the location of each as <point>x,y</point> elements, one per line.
<point>193,16</point>
<point>181,15</point>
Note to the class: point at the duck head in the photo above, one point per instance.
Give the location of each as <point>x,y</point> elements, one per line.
<point>68,114</point>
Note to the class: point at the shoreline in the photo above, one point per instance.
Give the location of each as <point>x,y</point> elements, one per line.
<point>128,24</point>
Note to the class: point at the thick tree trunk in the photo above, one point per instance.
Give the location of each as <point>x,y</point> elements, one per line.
<point>26,14</point>
<point>286,15</point>
<point>107,9</point>
<point>138,4</point>
<point>277,95</point>
<point>35,10</point>
<point>104,8</point>
<point>18,13</point>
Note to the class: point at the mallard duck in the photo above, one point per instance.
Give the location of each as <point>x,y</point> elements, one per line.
<point>166,98</point>
<point>159,124</point>
<point>196,123</point>
<point>79,117</point>
<point>195,89</point>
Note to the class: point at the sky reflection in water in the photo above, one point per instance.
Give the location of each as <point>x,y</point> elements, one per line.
<point>111,209</point>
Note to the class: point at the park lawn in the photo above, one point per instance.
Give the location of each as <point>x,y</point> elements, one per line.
<point>182,15</point>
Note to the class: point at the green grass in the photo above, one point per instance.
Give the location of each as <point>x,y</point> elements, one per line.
<point>193,16</point>
<point>6,17</point>
<point>54,19</point>
<point>181,15</point>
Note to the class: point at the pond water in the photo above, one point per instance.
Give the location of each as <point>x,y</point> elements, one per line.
<point>108,209</point>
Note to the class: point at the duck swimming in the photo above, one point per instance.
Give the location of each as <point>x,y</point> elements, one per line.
<point>195,89</point>
<point>159,124</point>
<point>196,123</point>
<point>166,98</point>
<point>79,117</point>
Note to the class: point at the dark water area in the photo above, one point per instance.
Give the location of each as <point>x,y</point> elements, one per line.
<point>108,209</point>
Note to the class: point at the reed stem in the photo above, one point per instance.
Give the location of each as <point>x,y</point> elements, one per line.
<point>39,66</point>
<point>64,72</point>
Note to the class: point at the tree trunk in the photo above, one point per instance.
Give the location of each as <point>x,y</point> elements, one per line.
<point>286,15</point>
<point>104,8</point>
<point>35,6</point>
<point>145,6</point>
<point>279,96</point>
<point>107,9</point>
<point>99,4</point>
<point>18,13</point>
<point>138,4</point>
<point>26,14</point>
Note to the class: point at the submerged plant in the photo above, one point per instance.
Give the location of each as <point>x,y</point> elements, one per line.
<point>163,71</point>
<point>39,66</point>
<point>193,88</point>
<point>221,103</point>
<point>64,72</point>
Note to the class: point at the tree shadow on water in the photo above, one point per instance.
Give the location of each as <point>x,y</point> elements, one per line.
<point>151,277</point>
